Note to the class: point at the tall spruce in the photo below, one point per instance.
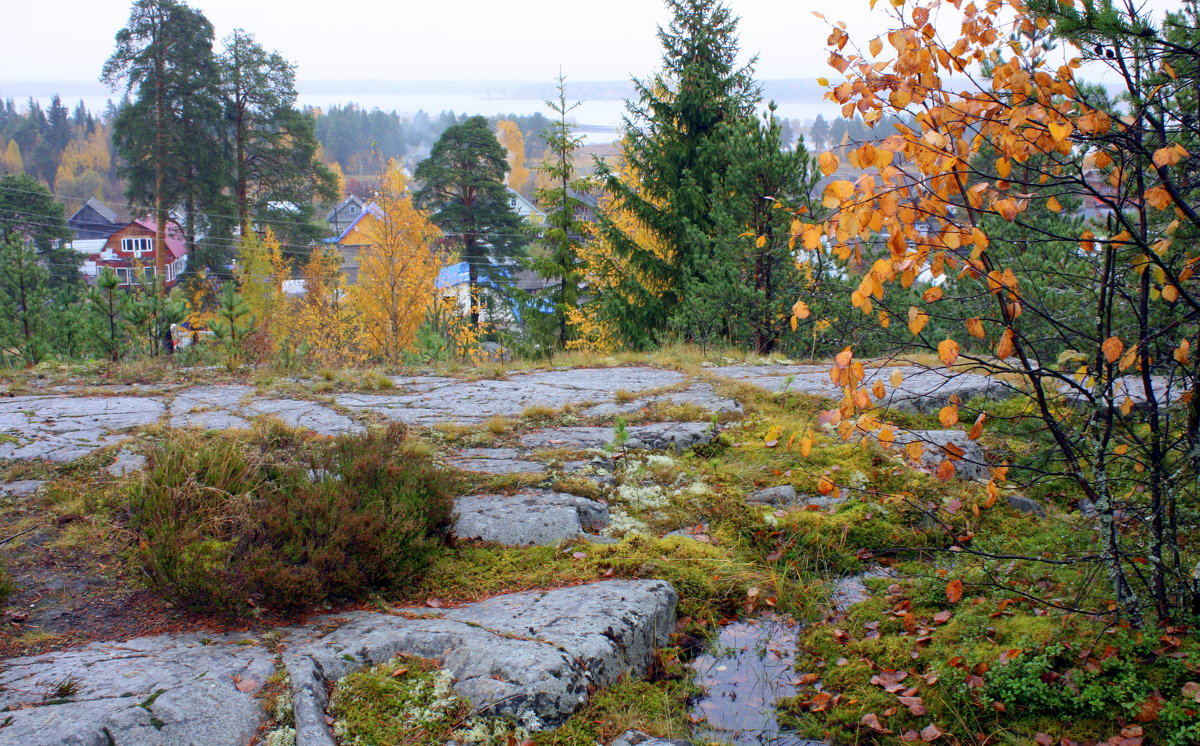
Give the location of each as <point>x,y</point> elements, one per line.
<point>564,226</point>
<point>462,185</point>
<point>674,138</point>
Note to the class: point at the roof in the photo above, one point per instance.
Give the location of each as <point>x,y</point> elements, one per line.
<point>338,208</point>
<point>453,275</point>
<point>369,209</point>
<point>175,241</point>
<point>524,207</point>
<point>100,208</point>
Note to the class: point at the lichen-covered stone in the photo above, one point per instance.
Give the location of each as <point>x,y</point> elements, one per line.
<point>530,517</point>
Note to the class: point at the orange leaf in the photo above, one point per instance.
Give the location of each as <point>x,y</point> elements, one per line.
<point>1005,349</point>
<point>975,328</point>
<point>932,295</point>
<point>948,352</point>
<point>806,445</point>
<point>977,429</point>
<point>828,162</point>
<point>1054,205</point>
<point>914,450</point>
<point>801,310</point>
<point>1164,157</point>
<point>917,319</point>
<point>954,591</point>
<point>948,415</point>
<point>945,470</point>
<point>1112,349</point>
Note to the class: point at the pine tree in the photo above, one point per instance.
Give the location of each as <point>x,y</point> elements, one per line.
<point>274,144</point>
<point>28,210</point>
<point>169,134</point>
<point>564,230</point>
<point>106,309</point>
<point>674,129</point>
<point>232,325</point>
<point>23,300</point>
<point>463,186</point>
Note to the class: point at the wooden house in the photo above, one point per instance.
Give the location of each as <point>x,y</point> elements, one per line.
<point>129,252</point>
<point>94,221</point>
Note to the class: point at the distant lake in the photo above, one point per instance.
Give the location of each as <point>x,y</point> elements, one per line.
<point>605,113</point>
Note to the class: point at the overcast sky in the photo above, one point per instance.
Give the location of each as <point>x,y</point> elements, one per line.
<point>436,39</point>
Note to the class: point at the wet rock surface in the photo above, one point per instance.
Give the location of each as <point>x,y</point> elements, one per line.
<point>676,436</point>
<point>530,517</point>
<point>64,428</point>
<point>545,651</point>
<point>530,656</point>
<point>700,395</point>
<point>637,738</point>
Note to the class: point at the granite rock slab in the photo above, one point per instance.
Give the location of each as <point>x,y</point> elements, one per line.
<point>530,517</point>
<point>677,436</point>
<point>64,428</point>
<point>494,461</point>
<point>532,657</point>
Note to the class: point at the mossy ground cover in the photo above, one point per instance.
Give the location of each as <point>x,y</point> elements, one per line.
<point>989,667</point>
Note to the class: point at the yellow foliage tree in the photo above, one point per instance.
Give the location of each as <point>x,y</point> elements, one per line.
<point>509,135</point>
<point>397,272</point>
<point>261,270</point>
<point>323,325</point>
<point>12,161</point>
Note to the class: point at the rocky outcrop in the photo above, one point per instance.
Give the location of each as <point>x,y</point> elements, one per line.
<point>534,657</point>
<point>530,517</point>
<point>675,436</point>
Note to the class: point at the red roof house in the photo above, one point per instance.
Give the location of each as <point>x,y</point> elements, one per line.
<point>130,252</point>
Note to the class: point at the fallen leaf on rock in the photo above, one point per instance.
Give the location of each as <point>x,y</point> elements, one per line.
<point>245,685</point>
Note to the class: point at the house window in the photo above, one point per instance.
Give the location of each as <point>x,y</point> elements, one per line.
<point>122,275</point>
<point>352,210</point>
<point>137,246</point>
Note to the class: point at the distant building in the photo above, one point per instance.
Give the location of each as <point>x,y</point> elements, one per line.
<point>355,237</point>
<point>345,213</point>
<point>526,209</point>
<point>94,221</point>
<point>129,252</point>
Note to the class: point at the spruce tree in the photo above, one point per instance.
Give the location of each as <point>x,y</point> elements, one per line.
<point>673,145</point>
<point>564,227</point>
<point>106,308</point>
<point>462,185</point>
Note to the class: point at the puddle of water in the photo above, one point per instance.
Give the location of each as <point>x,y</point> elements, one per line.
<point>745,672</point>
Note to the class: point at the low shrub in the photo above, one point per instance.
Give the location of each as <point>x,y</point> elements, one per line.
<point>279,521</point>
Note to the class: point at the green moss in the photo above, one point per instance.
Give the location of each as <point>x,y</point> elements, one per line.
<point>659,708</point>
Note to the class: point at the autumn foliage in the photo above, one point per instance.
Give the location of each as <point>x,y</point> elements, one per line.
<point>1110,374</point>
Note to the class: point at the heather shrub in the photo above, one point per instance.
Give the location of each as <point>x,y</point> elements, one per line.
<point>280,521</point>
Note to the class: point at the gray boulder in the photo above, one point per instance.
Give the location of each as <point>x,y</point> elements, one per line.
<point>973,465</point>
<point>1026,505</point>
<point>780,496</point>
<point>530,517</point>
<point>532,657</point>
<point>638,738</point>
